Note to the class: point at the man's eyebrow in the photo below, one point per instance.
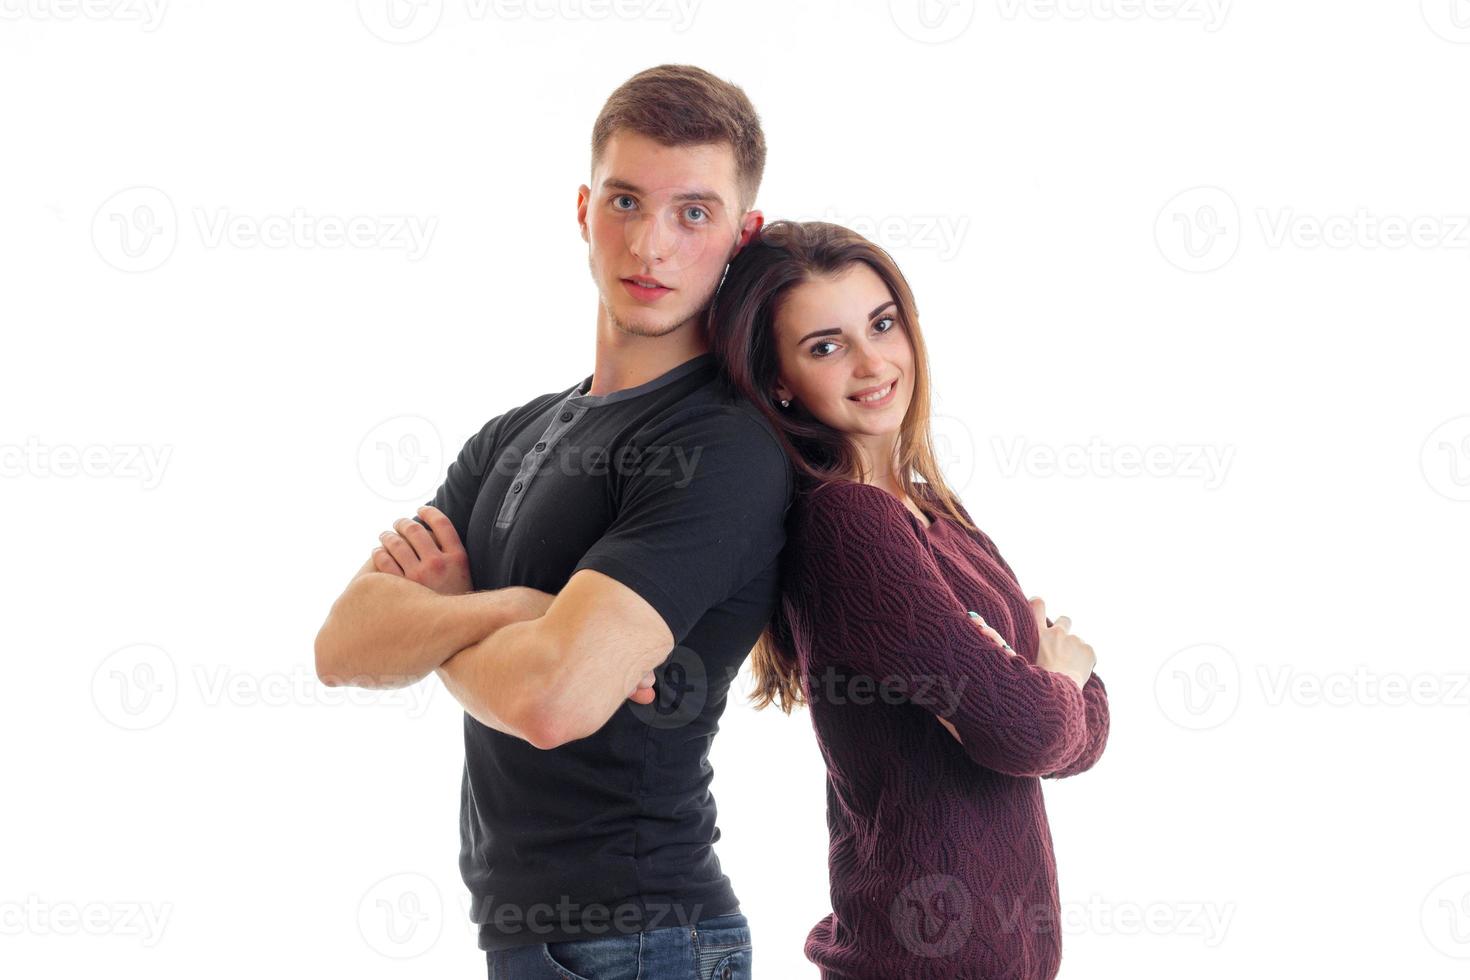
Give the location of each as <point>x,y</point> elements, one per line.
<point>837,330</point>
<point>698,194</point>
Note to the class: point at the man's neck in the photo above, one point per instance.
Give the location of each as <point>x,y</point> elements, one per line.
<point>626,361</point>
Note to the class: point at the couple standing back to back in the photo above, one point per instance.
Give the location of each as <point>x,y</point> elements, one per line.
<point>746,472</point>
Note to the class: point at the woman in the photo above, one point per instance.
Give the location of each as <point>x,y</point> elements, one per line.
<point>893,628</point>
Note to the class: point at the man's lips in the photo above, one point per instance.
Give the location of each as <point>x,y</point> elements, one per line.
<point>645,293</point>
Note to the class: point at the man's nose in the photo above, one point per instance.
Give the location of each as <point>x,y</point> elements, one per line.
<point>649,240</point>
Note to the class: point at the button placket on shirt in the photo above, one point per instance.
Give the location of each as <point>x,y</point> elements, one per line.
<point>562,419</point>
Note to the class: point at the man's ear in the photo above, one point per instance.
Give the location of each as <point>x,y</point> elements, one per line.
<point>750,226</point>
<point>584,198</point>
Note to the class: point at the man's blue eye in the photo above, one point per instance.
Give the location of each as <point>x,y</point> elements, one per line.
<point>697,213</point>
<point>622,197</point>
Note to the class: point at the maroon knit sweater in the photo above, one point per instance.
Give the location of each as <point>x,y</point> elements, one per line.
<point>941,858</point>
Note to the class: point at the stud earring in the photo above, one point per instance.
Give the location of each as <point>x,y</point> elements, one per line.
<point>785,403</point>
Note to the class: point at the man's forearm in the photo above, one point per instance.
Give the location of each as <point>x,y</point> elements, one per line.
<point>499,680</point>
<point>386,631</point>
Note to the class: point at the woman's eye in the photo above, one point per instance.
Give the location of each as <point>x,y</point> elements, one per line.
<point>888,320</point>
<point>821,343</point>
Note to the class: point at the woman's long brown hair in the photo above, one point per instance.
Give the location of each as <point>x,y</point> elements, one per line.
<point>741,331</point>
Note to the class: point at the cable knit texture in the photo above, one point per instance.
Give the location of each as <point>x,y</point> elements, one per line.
<point>941,858</point>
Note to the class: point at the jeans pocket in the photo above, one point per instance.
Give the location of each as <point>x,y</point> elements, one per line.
<point>734,965</point>
<point>724,948</point>
<point>604,958</point>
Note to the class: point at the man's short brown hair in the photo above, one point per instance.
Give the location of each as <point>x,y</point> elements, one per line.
<point>681,105</point>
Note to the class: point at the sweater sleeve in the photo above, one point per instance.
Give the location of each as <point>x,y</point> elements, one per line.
<point>1096,696</point>
<point>1094,693</point>
<point>880,605</point>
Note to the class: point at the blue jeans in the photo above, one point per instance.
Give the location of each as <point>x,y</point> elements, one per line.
<point>711,949</point>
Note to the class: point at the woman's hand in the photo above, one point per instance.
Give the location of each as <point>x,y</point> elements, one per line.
<point>1060,650</point>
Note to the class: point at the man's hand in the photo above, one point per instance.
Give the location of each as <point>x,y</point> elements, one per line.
<point>434,558</point>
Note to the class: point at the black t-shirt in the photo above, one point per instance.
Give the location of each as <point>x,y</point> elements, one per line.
<point>679,489</point>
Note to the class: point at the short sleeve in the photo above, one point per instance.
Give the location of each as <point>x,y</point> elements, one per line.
<point>457,494</point>
<point>701,512</point>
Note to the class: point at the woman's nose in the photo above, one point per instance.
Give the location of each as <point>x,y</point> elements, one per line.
<point>869,362</point>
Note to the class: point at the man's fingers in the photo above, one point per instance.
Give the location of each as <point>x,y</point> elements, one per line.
<point>442,527</point>
<point>644,692</point>
<point>399,549</point>
<point>1064,622</point>
<point>418,538</point>
<point>384,562</point>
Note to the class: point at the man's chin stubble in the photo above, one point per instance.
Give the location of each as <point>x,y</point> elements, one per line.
<point>642,330</point>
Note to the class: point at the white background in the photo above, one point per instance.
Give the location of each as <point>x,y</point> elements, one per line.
<point>1229,238</point>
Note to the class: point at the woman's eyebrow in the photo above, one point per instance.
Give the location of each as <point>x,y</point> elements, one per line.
<point>820,333</point>
<point>837,330</point>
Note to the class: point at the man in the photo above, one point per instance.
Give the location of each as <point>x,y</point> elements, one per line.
<point>624,537</point>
